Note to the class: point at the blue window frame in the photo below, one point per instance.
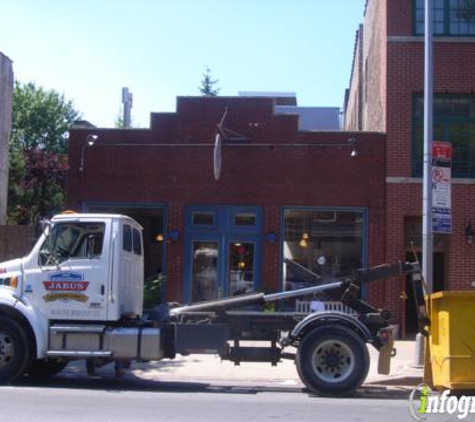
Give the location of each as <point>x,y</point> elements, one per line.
<point>223,258</point>
<point>203,219</point>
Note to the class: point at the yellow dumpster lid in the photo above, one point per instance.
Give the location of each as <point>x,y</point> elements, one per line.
<point>453,294</point>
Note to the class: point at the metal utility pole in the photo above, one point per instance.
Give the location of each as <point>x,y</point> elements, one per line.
<point>127,102</point>
<point>427,232</point>
<point>6,92</point>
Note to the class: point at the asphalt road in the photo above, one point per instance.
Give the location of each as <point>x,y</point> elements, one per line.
<point>132,399</point>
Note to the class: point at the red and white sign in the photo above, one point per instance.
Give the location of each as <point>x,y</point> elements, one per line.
<point>442,150</point>
<point>66,286</point>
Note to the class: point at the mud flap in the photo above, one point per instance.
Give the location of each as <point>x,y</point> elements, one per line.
<point>386,353</point>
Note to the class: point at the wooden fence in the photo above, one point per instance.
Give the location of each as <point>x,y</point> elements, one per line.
<point>15,241</point>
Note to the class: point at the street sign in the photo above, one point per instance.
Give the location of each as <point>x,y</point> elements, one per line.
<point>441,187</point>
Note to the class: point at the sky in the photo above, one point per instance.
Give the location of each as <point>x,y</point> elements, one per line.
<point>89,49</point>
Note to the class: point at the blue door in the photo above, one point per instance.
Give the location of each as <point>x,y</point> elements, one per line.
<point>223,252</point>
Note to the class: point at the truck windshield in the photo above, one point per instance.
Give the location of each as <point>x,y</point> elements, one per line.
<point>72,240</point>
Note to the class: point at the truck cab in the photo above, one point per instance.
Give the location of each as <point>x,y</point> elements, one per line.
<point>85,267</point>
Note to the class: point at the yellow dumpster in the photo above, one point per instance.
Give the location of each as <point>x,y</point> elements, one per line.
<point>451,340</point>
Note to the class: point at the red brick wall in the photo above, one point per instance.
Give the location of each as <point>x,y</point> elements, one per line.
<point>399,17</point>
<point>15,241</point>
<point>454,63</point>
<point>353,107</point>
<point>406,200</point>
<point>277,167</point>
<point>374,65</point>
<point>366,107</point>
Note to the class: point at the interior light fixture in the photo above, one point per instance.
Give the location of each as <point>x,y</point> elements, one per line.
<point>304,240</point>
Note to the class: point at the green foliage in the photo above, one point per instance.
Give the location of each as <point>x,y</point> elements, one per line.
<point>208,84</point>
<point>119,122</point>
<point>269,307</point>
<point>37,182</point>
<point>153,291</point>
<point>38,152</point>
<point>40,119</point>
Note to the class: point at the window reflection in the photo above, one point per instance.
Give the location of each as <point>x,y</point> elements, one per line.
<point>205,271</point>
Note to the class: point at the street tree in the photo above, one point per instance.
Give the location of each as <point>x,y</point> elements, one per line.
<point>38,152</point>
<point>208,86</point>
<point>40,119</point>
<point>38,184</point>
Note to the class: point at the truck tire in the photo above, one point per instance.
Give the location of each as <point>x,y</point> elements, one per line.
<point>332,360</point>
<point>14,350</point>
<point>45,368</point>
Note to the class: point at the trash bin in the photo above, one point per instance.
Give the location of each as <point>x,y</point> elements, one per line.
<point>452,340</point>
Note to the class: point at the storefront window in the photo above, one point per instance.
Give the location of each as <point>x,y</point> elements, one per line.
<point>241,268</point>
<point>328,242</point>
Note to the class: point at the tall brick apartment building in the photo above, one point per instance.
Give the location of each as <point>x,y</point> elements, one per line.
<point>281,192</point>
<point>386,94</point>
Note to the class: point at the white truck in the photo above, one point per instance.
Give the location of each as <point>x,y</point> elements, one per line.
<point>79,294</point>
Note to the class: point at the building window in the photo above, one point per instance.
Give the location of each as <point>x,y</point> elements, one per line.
<point>454,122</point>
<point>203,218</point>
<point>450,17</point>
<point>245,219</point>
<point>328,242</point>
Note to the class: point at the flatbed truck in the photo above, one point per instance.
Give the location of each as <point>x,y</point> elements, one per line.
<point>79,295</point>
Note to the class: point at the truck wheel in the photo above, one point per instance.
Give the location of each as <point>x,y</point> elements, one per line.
<point>45,368</point>
<point>14,350</point>
<point>332,360</point>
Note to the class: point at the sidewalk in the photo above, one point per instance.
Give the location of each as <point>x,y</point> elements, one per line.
<point>211,368</point>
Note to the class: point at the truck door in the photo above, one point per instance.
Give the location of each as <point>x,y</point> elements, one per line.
<point>69,281</point>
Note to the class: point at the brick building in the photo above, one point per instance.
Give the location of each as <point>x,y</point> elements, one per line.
<point>386,94</point>
<point>281,193</point>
